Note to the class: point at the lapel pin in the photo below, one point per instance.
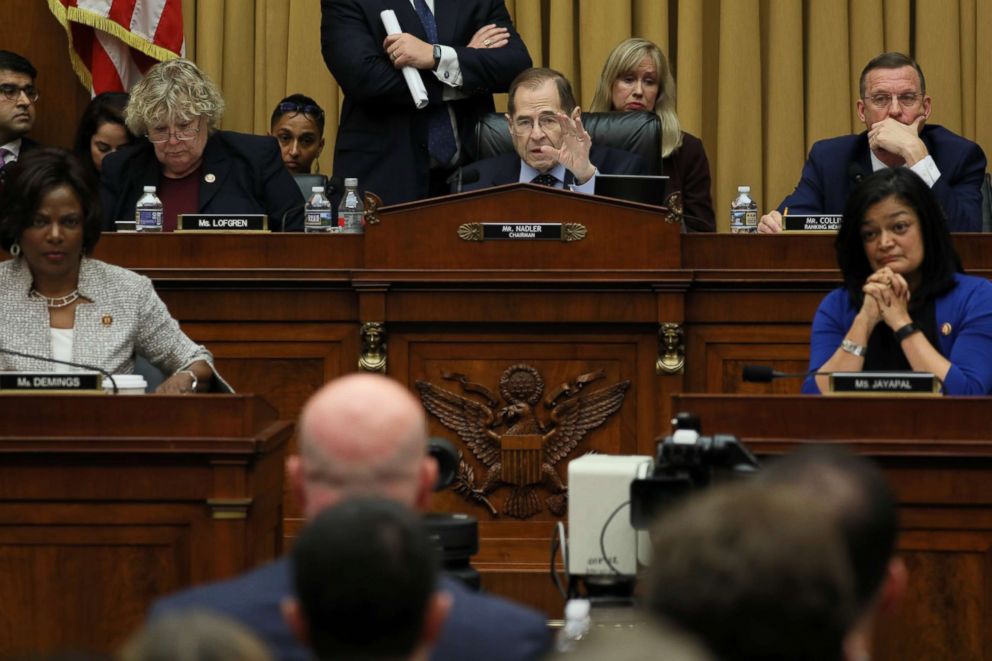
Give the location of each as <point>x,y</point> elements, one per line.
<point>946,328</point>
<point>210,178</point>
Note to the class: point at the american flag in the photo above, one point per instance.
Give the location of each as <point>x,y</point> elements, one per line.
<point>113,42</point>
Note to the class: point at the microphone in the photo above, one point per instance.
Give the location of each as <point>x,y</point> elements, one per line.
<point>765,374</point>
<point>854,173</point>
<point>55,361</point>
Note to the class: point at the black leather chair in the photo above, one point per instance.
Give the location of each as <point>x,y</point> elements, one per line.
<point>987,203</point>
<point>306,182</point>
<point>635,132</point>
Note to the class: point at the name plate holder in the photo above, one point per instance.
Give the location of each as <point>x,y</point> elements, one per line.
<point>878,384</point>
<point>522,231</point>
<point>812,223</point>
<point>33,383</point>
<point>223,223</point>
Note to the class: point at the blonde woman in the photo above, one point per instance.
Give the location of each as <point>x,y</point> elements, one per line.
<point>635,78</point>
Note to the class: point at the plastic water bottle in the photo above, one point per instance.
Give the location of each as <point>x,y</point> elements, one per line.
<point>577,623</point>
<point>351,215</point>
<point>318,214</point>
<point>743,212</point>
<point>148,212</point>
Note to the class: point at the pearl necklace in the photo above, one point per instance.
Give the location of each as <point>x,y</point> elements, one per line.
<point>57,302</point>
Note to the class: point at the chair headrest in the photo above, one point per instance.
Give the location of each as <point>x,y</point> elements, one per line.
<point>635,132</point>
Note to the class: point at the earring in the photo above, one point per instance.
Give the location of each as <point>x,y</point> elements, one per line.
<point>316,162</point>
<point>15,249</point>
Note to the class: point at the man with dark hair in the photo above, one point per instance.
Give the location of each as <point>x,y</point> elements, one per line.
<point>365,574</point>
<point>17,112</point>
<point>551,146</point>
<point>863,505</point>
<point>894,106</point>
<point>366,435</point>
<point>755,573</point>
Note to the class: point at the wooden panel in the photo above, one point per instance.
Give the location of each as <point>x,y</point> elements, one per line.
<point>718,353</point>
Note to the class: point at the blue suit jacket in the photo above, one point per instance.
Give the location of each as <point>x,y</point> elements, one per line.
<point>479,627</point>
<point>505,168</point>
<point>836,165</point>
<point>967,309</point>
<point>249,177</point>
<point>382,137</point>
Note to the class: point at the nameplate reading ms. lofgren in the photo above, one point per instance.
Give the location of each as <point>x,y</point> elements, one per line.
<point>522,231</point>
<point>48,381</point>
<point>220,222</point>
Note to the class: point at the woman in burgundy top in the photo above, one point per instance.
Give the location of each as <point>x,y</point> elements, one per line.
<point>635,78</point>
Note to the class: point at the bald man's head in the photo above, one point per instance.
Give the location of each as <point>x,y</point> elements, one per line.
<point>362,434</point>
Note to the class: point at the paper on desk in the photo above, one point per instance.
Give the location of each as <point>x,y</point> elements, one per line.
<point>413,81</point>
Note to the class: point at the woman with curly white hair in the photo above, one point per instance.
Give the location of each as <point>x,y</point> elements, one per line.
<point>195,167</point>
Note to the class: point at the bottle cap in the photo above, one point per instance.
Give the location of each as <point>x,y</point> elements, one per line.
<point>577,609</point>
<point>743,189</point>
<point>149,189</point>
<point>351,181</point>
<point>317,189</point>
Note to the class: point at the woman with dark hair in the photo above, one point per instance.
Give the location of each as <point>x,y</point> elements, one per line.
<point>61,304</point>
<point>101,129</point>
<point>298,124</point>
<point>636,77</point>
<point>906,303</point>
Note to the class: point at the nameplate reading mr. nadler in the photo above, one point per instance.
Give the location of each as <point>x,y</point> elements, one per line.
<point>221,222</point>
<point>35,381</point>
<point>884,383</point>
<point>811,223</point>
<point>522,231</point>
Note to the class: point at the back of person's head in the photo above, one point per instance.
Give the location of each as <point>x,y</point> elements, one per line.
<point>362,435</point>
<point>105,108</point>
<point>890,60</point>
<point>755,572</point>
<point>193,635</point>
<point>940,258</point>
<point>856,491</point>
<point>11,61</point>
<point>365,575</point>
<point>33,176</point>
<point>534,78</point>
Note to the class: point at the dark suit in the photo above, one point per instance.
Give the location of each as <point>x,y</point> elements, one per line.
<point>479,627</point>
<point>505,168</point>
<point>249,177</point>
<point>834,165</point>
<point>382,137</point>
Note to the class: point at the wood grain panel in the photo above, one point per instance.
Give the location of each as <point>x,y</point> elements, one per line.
<point>717,354</point>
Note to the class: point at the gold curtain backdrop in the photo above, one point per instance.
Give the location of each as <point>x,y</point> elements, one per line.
<point>758,80</point>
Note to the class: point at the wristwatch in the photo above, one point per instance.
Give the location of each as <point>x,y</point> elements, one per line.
<point>192,388</point>
<point>906,331</point>
<point>437,57</point>
<point>852,348</point>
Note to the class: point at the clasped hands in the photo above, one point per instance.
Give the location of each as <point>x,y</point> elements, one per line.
<point>886,299</point>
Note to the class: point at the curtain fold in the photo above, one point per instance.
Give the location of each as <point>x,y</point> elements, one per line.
<point>758,80</point>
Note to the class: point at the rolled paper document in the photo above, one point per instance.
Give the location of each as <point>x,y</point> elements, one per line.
<point>413,81</point>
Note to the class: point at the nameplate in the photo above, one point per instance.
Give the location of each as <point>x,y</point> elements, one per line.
<point>34,382</point>
<point>222,222</point>
<point>884,383</point>
<point>811,222</point>
<point>522,231</point>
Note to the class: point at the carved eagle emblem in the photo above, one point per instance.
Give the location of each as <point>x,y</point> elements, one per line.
<point>523,456</point>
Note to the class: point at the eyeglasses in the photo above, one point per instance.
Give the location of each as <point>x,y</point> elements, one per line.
<point>13,92</point>
<point>525,125</point>
<point>185,131</point>
<point>305,108</point>
<point>881,101</point>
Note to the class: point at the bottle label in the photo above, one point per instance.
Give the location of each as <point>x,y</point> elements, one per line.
<point>352,222</point>
<point>148,217</point>
<point>321,221</point>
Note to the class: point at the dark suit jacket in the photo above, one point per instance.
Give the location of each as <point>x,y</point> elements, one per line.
<point>382,137</point>
<point>505,168</point>
<point>479,627</point>
<point>834,165</point>
<point>249,178</point>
